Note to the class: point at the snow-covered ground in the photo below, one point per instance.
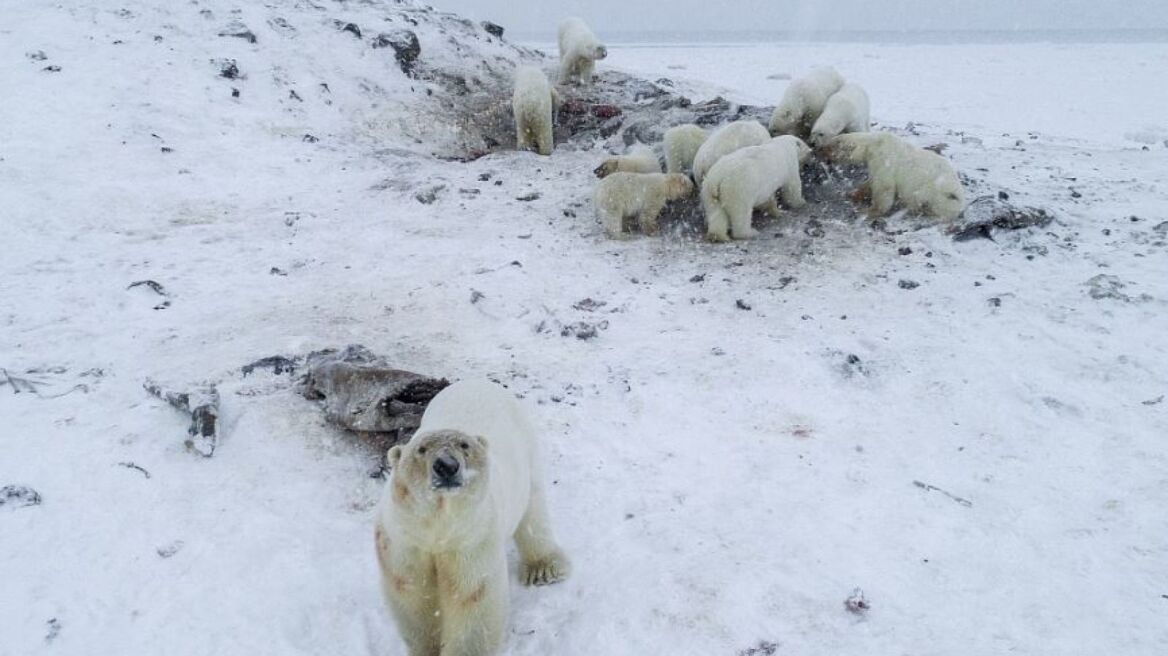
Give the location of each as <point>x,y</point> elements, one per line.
<point>983,454</point>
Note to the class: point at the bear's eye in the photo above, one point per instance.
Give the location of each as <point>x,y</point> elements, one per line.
<point>421,450</point>
<point>463,445</point>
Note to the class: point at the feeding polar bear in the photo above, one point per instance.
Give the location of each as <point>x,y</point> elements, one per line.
<point>803,102</point>
<point>579,50</point>
<point>922,181</point>
<point>846,111</point>
<point>681,146</point>
<point>641,195</point>
<point>639,159</point>
<point>466,482</point>
<point>532,102</point>
<point>725,140</point>
<point>748,178</point>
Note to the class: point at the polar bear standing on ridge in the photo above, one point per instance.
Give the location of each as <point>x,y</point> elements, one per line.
<point>748,178</point>
<point>846,111</point>
<point>725,140</point>
<point>922,181</point>
<point>532,103</point>
<point>465,483</point>
<point>579,50</point>
<point>803,102</point>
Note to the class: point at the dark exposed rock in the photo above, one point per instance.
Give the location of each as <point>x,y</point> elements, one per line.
<point>406,48</point>
<point>908,284</point>
<point>156,287</point>
<point>239,30</point>
<point>429,195</point>
<point>202,404</point>
<point>493,29</point>
<point>351,28</point>
<point>229,69</point>
<point>18,496</point>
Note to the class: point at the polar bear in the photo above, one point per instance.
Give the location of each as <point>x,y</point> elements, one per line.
<point>465,482</point>
<point>748,178</point>
<point>579,50</point>
<point>643,195</point>
<point>531,103</point>
<point>681,145</point>
<point>846,111</point>
<point>725,140</point>
<point>639,159</point>
<point>922,181</point>
<point>803,102</point>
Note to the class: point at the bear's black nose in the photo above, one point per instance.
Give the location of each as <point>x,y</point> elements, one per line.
<point>445,466</point>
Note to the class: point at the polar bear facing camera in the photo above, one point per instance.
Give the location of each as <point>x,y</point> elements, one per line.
<point>748,178</point>
<point>681,146</point>
<point>803,102</point>
<point>622,196</point>
<point>464,484</point>
<point>579,50</point>
<point>725,140</point>
<point>639,159</point>
<point>920,180</point>
<point>846,111</point>
<point>532,102</point>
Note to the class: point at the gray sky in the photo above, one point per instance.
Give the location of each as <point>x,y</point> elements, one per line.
<point>806,15</point>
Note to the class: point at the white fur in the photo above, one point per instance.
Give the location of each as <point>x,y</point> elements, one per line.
<point>681,145</point>
<point>639,159</point>
<point>920,180</point>
<point>803,102</point>
<point>725,140</point>
<point>531,103</point>
<point>579,50</point>
<point>749,178</point>
<point>442,551</point>
<point>642,195</point>
<point>846,111</point>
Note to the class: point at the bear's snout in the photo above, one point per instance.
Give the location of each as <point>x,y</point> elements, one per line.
<point>446,470</point>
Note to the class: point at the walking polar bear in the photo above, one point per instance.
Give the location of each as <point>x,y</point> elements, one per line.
<point>681,146</point>
<point>846,111</point>
<point>639,159</point>
<point>748,178</point>
<point>466,482</point>
<point>725,140</point>
<point>579,50</point>
<point>532,102</point>
<point>922,181</point>
<point>642,195</point>
<point>803,102</point>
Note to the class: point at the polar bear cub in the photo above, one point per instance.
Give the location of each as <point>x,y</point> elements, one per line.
<point>922,181</point>
<point>681,146</point>
<point>579,50</point>
<point>803,102</point>
<point>641,195</point>
<point>531,103</point>
<point>748,178</point>
<point>725,140</point>
<point>465,483</point>
<point>639,159</point>
<point>846,111</point>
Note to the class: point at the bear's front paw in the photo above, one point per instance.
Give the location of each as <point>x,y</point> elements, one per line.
<point>717,237</point>
<point>545,570</point>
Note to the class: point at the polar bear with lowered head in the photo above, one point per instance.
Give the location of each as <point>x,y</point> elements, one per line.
<point>639,159</point>
<point>725,140</point>
<point>920,180</point>
<point>532,103</point>
<point>579,50</point>
<point>803,102</point>
<point>623,196</point>
<point>465,483</point>
<point>846,111</point>
<point>749,178</point>
<point>681,146</point>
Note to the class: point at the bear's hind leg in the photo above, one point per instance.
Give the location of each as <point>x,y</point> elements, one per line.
<point>541,560</point>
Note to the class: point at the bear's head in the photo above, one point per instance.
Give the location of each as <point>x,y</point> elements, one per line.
<point>438,471</point>
<point>599,52</point>
<point>786,120</point>
<point>678,186</point>
<point>607,168</point>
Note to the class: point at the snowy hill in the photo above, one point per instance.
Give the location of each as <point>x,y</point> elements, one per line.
<point>738,435</point>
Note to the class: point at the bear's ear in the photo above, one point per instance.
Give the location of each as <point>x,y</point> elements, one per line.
<point>393,456</point>
<point>480,441</point>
